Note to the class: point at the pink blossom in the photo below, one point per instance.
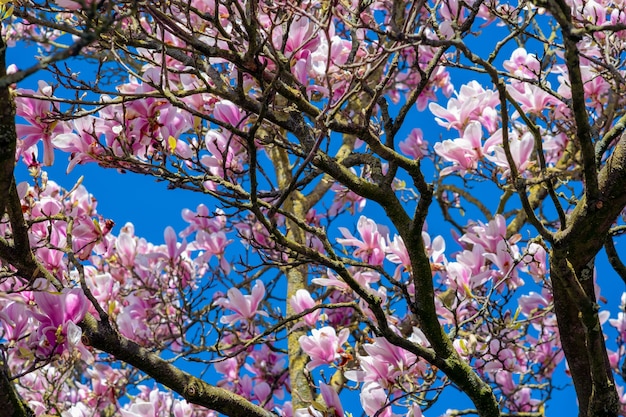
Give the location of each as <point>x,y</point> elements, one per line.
<point>246,307</point>
<point>228,367</point>
<point>464,152</point>
<point>472,103</point>
<point>521,151</point>
<point>174,249</point>
<point>473,260</point>
<point>372,248</point>
<point>139,409</point>
<point>531,98</point>
<point>269,366</point>
<point>339,52</point>
<point>132,320</point>
<point>126,247</point>
<point>262,392</point>
<point>523,64</point>
<point>331,281</point>
<point>82,145</point>
<point>345,197</point>
<point>301,301</point>
<point>384,363</point>
<point>58,314</point>
<point>323,346</point>
<point>414,145</point>
<point>533,303</point>
<point>38,114</point>
<point>460,278</point>
<point>374,400</point>
<point>302,38</point>
<point>202,219</point>
<point>501,357</point>
<point>506,259</point>
<point>227,112</point>
<point>214,244</point>
<point>536,258</point>
<point>397,253</point>
<point>225,152</point>
<point>620,324</point>
<point>332,401</point>
<point>15,320</point>
<point>487,235</point>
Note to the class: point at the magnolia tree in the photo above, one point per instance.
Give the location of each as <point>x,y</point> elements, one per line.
<point>325,136</point>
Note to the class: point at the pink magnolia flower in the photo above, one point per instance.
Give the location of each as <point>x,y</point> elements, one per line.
<point>521,150</point>
<point>473,103</point>
<point>372,248</point>
<point>397,253</point>
<point>226,111</point>
<point>332,281</point>
<point>58,314</point>
<point>82,144</point>
<point>246,307</point>
<point>523,64</point>
<point>301,301</point>
<point>202,219</point>
<point>506,258</point>
<point>15,320</point>
<point>333,405</point>
<point>126,246</point>
<point>374,400</point>
<point>323,346</point>
<point>502,355</point>
<point>414,145</point>
<point>269,366</point>
<point>139,409</point>
<point>339,53</point>
<point>302,38</point>
<point>345,197</point>
<point>229,368</point>
<point>174,249</point>
<point>487,235</point>
<point>214,244</point>
<point>225,153</point>
<point>385,364</point>
<point>459,277</point>
<point>532,99</point>
<point>134,319</point>
<point>331,398</point>
<point>37,113</point>
<point>535,258</point>
<point>464,152</point>
<point>473,260</point>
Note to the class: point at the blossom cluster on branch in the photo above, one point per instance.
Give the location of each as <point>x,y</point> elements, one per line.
<point>319,265</point>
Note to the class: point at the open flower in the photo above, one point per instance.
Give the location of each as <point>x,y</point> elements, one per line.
<point>301,301</point>
<point>58,314</point>
<point>372,248</point>
<point>323,346</point>
<point>244,306</point>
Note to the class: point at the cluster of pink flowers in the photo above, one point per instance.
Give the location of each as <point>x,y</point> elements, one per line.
<point>185,293</point>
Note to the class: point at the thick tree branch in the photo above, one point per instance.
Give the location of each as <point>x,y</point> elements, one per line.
<point>572,258</point>
<point>194,390</point>
<point>563,14</point>
<point>595,218</point>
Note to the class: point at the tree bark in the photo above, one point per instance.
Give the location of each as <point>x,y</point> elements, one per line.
<point>572,258</point>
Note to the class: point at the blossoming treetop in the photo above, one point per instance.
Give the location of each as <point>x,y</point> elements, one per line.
<point>291,118</point>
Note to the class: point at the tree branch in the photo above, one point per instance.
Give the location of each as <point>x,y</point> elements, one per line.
<point>194,390</point>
